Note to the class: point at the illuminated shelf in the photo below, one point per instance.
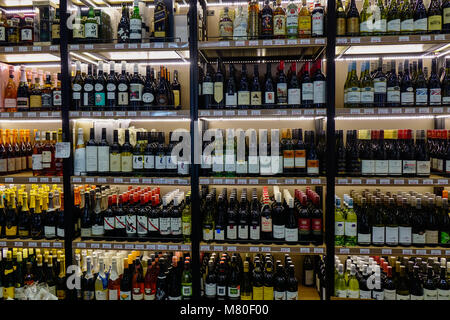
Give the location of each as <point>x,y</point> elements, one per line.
<point>263,247</point>
<point>35,48</point>
<point>398,181</point>
<point>130,245</point>
<point>393,40</point>
<point>130,180</point>
<point>145,46</point>
<point>262,113</point>
<point>38,115</point>
<point>182,114</point>
<point>392,112</point>
<point>263,181</point>
<point>398,251</point>
<point>30,243</point>
<point>27,177</point>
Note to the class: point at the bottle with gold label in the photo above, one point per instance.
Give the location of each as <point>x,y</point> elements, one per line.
<point>446,16</point>
<point>304,21</point>
<point>225,25</point>
<point>36,94</point>
<point>353,20</point>
<point>8,277</point>
<point>246,288</point>
<point>24,218</point>
<point>253,19</point>
<point>258,282</point>
<point>11,215</point>
<point>219,100</point>
<point>61,280</point>
<point>55,28</point>
<point>340,19</point>
<point>268,279</point>
<point>434,17</point>
<point>176,91</point>
<point>279,21</point>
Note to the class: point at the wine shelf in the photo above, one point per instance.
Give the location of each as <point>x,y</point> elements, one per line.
<point>26,177</point>
<point>394,112</point>
<point>130,180</point>
<point>179,114</point>
<point>118,47</point>
<point>261,113</point>
<point>307,293</point>
<point>386,181</point>
<point>397,251</point>
<point>261,44</point>
<point>263,247</point>
<point>30,243</point>
<point>401,39</point>
<point>41,116</point>
<point>130,245</point>
<point>264,181</point>
<point>27,49</point>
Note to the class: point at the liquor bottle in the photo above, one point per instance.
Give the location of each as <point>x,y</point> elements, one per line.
<point>46,94</point>
<point>446,84</point>
<point>304,21</point>
<point>380,86</point>
<point>86,217</point>
<point>176,91</point>
<point>392,88</point>
<point>91,154</point>
<point>253,19</point>
<point>353,88</point>
<point>255,94</point>
<point>266,21</point>
<point>407,19</point>
<point>282,93</point>
<point>77,87</point>
<point>366,26</point>
<point>136,87</point>
<point>307,88</point>
<point>148,92</point>
<point>231,90</point>
<point>123,30</point>
<point>100,88</point>
<point>57,94</point>
<point>208,88</point>
<point>352,20</point>
<point>393,18</point>
<point>318,20</point>
<point>434,17</point>
<point>294,92</point>
<point>123,88</point>
<point>269,88</point>
<point>292,20</point>
<point>136,24</point>
<point>225,26</point>
<point>79,157</point>
<point>23,103</point>
<point>341,19</point>
<point>88,90</point>
<point>279,21</point>
<point>91,26</point>
<point>243,99</point>
<point>312,160</point>
<point>10,98</point>
<point>115,162</point>
<point>160,19</point>
<point>434,86</point>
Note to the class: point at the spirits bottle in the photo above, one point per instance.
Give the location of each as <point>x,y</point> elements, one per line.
<point>304,21</point>
<point>225,26</point>
<point>292,20</point>
<point>279,21</point>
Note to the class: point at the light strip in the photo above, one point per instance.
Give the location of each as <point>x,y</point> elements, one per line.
<point>93,56</point>
<point>385,58</point>
<point>50,65</point>
<point>261,118</point>
<point>384,118</point>
<point>440,117</point>
<point>224,4</point>
<point>82,58</point>
<point>137,120</point>
<point>31,120</point>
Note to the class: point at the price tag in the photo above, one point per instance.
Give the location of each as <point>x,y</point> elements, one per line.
<point>146,181</point>
<point>139,246</point>
<point>289,181</point>
<point>413,181</point>
<point>9,49</point>
<point>134,181</point>
<point>218,113</point>
<point>45,180</point>
<point>118,246</point>
<point>279,42</point>
<point>425,38</point>
<point>305,250</point>
<point>375,39</point>
<point>89,180</point>
<point>129,246</point>
<point>253,181</point>
<point>242,112</point>
<point>321,112</point>
<point>145,45</point>
<point>74,47</point>
<point>46,244</point>
<point>62,150</point>
<point>183,181</point>
<point>120,113</point>
<point>305,41</point>
<point>204,181</point>
<point>96,114</point>
<point>344,250</point>
<point>385,181</point>
<point>316,181</point>
<point>436,252</point>
<point>230,113</point>
<point>403,38</point>
<point>447,253</point>
<point>318,250</point>
<point>266,249</point>
<point>427,181</point>
<point>54,48</point>
<point>284,249</point>
<point>232,248</point>
<point>206,248</point>
<point>37,48</point>
<point>106,245</point>
<point>5,115</point>
<point>43,114</point>
<point>369,111</point>
<point>406,251</point>
<point>217,181</point>
<point>74,114</point>
<point>169,181</point>
<point>118,180</point>
<point>239,43</point>
<point>442,181</point>
<point>355,40</point>
<point>109,114</point>
<point>297,112</point>
<point>396,110</point>
<point>267,42</point>
<point>224,43</point>
<point>95,245</point>
<point>320,41</point>
<point>185,247</point>
<point>133,46</point>
<point>85,114</point>
<point>18,244</point>
<point>101,180</point>
<point>421,252</point>
<point>283,112</point>
<point>218,248</point>
<point>81,245</point>
<point>89,46</point>
<point>76,180</point>
<point>145,114</point>
<point>342,181</point>
<point>229,181</point>
<point>397,181</point>
<point>242,181</point>
<point>301,181</point>
<point>32,244</point>
<point>56,180</point>
<point>424,110</point>
<point>2,244</point>
<point>253,43</point>
<point>355,111</point>
<point>383,111</point>
<point>438,110</point>
<point>31,114</point>
<point>410,110</point>
<point>272,181</point>
<point>32,180</point>
<point>150,247</point>
<point>439,37</point>
<point>55,114</point>
<point>204,113</point>
<point>386,251</point>
<point>364,251</point>
<point>292,41</point>
<point>23,49</point>
<point>255,112</point>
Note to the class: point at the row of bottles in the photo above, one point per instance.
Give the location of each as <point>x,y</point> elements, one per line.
<point>98,90</point>
<point>251,153</point>
<point>36,214</point>
<point>439,149</point>
<point>388,153</point>
<point>104,212</point>
<point>121,275</point>
<point>297,219</point>
<point>387,86</point>
<point>21,268</point>
<point>147,155</point>
<point>402,219</point>
<point>43,158</point>
<point>34,92</point>
<point>392,17</point>
<point>16,151</point>
<point>272,22</point>
<point>305,89</point>
<point>383,278</point>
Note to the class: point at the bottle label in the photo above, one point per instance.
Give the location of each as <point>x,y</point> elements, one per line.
<point>304,226</point>
<point>186,291</point>
<point>130,224</point>
<point>395,167</point>
<point>367,167</point>
<point>115,162</point>
<point>413,297</point>
<point>445,15</point>
<point>393,94</point>
<point>103,158</point>
<point>120,222</point>
<point>363,294</point>
<point>2,34</point>
<point>210,290</point>
<point>136,91</point>
<point>294,96</point>
<point>288,159</point>
<point>339,228</point>
<point>231,99</point>
<point>266,224</point>
<point>393,25</point>
<point>353,294</point>
<point>160,162</point>
<point>281,93</point>
<point>148,97</point>
<point>304,25</point>
<point>392,235</point>
<point>218,92</point>
<point>292,21</point>
<point>364,238</point>
<point>279,25</point>
<point>208,234</point>
<point>278,231</point>
<point>430,294</point>
<point>319,92</point>
<point>307,92</point>
<point>175,226</point>
<point>291,234</point>
<point>350,228</point>
<point>255,232</point>
<point>378,295</point>
<point>445,100</point>
<point>138,162</point>
<point>164,226</point>
<point>142,225</point>
<point>279,295</point>
<point>421,24</point>
<point>418,238</point>
<point>423,168</point>
<point>353,25</point>
<point>269,97</point>
<point>379,85</point>
<point>221,291</point>
<point>316,226</point>
<point>135,28</point>
<point>290,295</point>
<point>90,30</point>
<point>226,28</point>
<point>381,167</point>
<point>300,159</point>
<point>353,95</point>
<point>101,295</point>
<point>407,25</point>
<point>125,295</point>
<point>208,88</point>
<point>149,162</point>
<point>408,97</point>
<point>108,223</point>
<point>255,98</point>
<point>403,297</point>
<point>445,237</point>
<point>234,292</point>
<point>243,232</point>
<point>378,235</point>
<point>23,105</point>
<point>312,167</point>
<point>443,294</point>
<point>421,96</point>
<point>186,227</point>
<point>435,23</point>
<point>435,96</point>
<point>37,162</point>
<point>431,236</point>
<point>91,158</point>
<point>389,294</point>
<point>404,235</point>
<point>409,166</point>
<point>243,98</point>
<point>363,26</point>
<point>380,25</point>
<point>341,293</point>
<point>183,167</point>
<point>341,26</point>
<point>153,224</point>
<point>231,232</point>
<point>56,98</point>
<point>317,23</point>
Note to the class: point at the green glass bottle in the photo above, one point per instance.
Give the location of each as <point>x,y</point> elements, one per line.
<point>407,21</point>
<point>186,282</point>
<point>380,19</point>
<point>350,224</point>
<point>434,17</point>
<point>353,284</point>
<point>339,233</point>
<point>349,71</point>
<point>366,24</point>
<point>393,18</point>
<point>91,26</point>
<point>353,20</point>
<point>353,88</point>
<point>340,287</point>
<point>420,18</point>
<point>186,219</point>
<point>367,88</point>
<point>340,19</point>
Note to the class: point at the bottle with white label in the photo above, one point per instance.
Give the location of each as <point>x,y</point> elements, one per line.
<point>135,24</point>
<point>80,155</point>
<point>92,154</point>
<point>434,85</point>
<point>103,155</point>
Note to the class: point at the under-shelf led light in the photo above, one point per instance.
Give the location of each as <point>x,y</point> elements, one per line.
<point>31,120</point>
<point>398,48</point>
<point>76,55</point>
<point>260,118</point>
<point>38,57</point>
<point>384,118</point>
<point>142,55</point>
<point>138,120</point>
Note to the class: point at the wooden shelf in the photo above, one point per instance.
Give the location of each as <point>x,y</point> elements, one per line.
<point>130,180</point>
<point>397,251</point>
<point>30,243</point>
<point>307,293</point>
<point>295,249</point>
<point>257,181</point>
<point>130,245</point>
